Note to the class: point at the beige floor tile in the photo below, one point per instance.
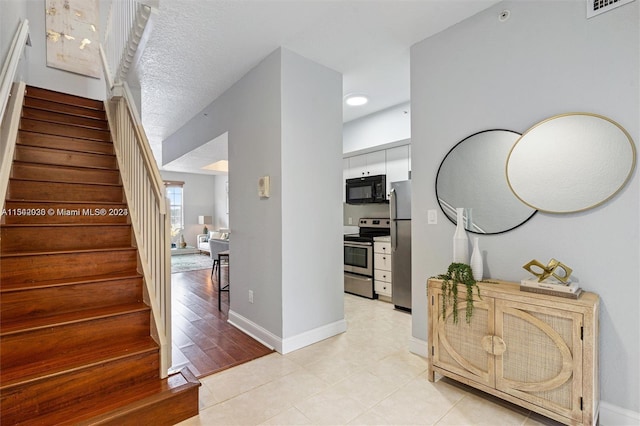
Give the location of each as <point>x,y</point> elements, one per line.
<point>294,387</point>
<point>253,407</point>
<point>369,418</point>
<point>366,388</point>
<point>365,376</point>
<point>400,367</point>
<point>334,369</point>
<point>419,402</point>
<point>292,417</point>
<point>329,408</point>
<point>235,381</point>
<point>475,410</point>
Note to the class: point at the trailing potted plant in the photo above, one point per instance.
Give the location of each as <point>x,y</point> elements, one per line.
<point>457,273</point>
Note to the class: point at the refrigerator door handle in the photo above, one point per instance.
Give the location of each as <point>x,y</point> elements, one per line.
<point>393,210</point>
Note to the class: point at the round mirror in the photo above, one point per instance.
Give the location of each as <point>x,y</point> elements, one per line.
<point>472,176</point>
<point>570,162</point>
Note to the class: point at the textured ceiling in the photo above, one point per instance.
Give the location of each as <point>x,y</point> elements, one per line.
<point>198,49</point>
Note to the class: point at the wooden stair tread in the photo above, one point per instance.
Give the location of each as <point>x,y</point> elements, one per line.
<point>6,288</point>
<point>83,358</point>
<point>72,120</point>
<point>63,157</point>
<point>28,138</point>
<point>36,323</point>
<point>6,254</point>
<point>59,129</point>
<point>44,253</point>
<point>54,96</point>
<point>112,185</point>
<point>121,407</point>
<point>53,202</point>
<point>66,150</point>
<point>50,105</point>
<point>64,225</point>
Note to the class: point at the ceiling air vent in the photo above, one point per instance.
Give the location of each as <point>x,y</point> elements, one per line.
<point>596,7</point>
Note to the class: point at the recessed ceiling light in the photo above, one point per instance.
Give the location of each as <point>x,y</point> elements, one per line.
<point>356,100</point>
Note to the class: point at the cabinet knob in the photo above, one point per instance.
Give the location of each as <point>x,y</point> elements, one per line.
<point>493,345</point>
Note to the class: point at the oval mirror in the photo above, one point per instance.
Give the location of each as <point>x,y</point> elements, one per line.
<point>570,163</point>
<point>471,176</point>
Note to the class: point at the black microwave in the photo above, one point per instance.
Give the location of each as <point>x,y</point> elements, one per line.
<point>364,190</point>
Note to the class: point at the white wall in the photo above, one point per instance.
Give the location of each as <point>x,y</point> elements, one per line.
<point>198,200</point>
<point>545,60</point>
<point>312,259</point>
<point>12,12</point>
<point>389,125</point>
<point>39,74</point>
<point>257,112</point>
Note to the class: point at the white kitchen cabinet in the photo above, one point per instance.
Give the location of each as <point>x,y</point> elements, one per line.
<point>370,164</point>
<point>382,267</point>
<point>397,165</point>
<point>533,350</point>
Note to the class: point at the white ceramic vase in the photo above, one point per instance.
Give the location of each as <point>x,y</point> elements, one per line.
<point>460,240</point>
<point>476,261</point>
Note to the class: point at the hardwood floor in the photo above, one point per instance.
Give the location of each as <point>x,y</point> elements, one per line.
<point>203,340</point>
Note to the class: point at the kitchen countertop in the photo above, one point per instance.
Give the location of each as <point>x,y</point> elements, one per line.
<point>385,238</point>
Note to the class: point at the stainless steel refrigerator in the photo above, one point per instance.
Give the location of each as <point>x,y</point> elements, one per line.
<point>400,213</point>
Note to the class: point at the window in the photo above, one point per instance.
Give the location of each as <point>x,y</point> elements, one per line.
<point>176,207</point>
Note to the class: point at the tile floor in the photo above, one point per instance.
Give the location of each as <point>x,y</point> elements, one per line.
<point>365,376</point>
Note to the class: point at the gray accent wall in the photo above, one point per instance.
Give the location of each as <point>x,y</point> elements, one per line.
<point>545,60</point>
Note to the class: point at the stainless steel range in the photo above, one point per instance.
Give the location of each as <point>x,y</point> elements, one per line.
<point>358,256</point>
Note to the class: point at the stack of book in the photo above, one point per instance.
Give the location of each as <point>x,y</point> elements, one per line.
<point>552,287</point>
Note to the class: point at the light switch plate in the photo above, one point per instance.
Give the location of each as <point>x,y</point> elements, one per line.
<point>432,217</point>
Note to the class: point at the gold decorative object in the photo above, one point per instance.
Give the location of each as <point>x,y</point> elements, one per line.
<point>554,268</point>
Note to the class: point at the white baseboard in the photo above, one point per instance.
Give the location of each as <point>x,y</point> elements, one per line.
<point>315,335</point>
<point>612,415</point>
<point>249,327</point>
<point>419,347</point>
<point>290,344</point>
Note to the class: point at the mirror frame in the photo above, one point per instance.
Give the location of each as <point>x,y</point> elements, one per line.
<point>453,219</point>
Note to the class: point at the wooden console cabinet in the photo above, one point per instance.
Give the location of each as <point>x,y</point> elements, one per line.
<point>534,350</point>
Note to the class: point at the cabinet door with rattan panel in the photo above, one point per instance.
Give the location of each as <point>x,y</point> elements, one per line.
<point>542,358</point>
<point>457,348</point>
<point>534,350</point>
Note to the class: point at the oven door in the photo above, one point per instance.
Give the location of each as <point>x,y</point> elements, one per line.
<point>358,257</point>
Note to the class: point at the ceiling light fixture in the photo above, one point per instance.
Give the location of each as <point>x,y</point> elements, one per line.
<point>356,100</point>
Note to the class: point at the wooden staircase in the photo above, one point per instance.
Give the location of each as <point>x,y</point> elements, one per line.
<point>75,333</point>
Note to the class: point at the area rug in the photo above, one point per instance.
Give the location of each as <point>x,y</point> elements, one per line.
<point>190,262</point>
